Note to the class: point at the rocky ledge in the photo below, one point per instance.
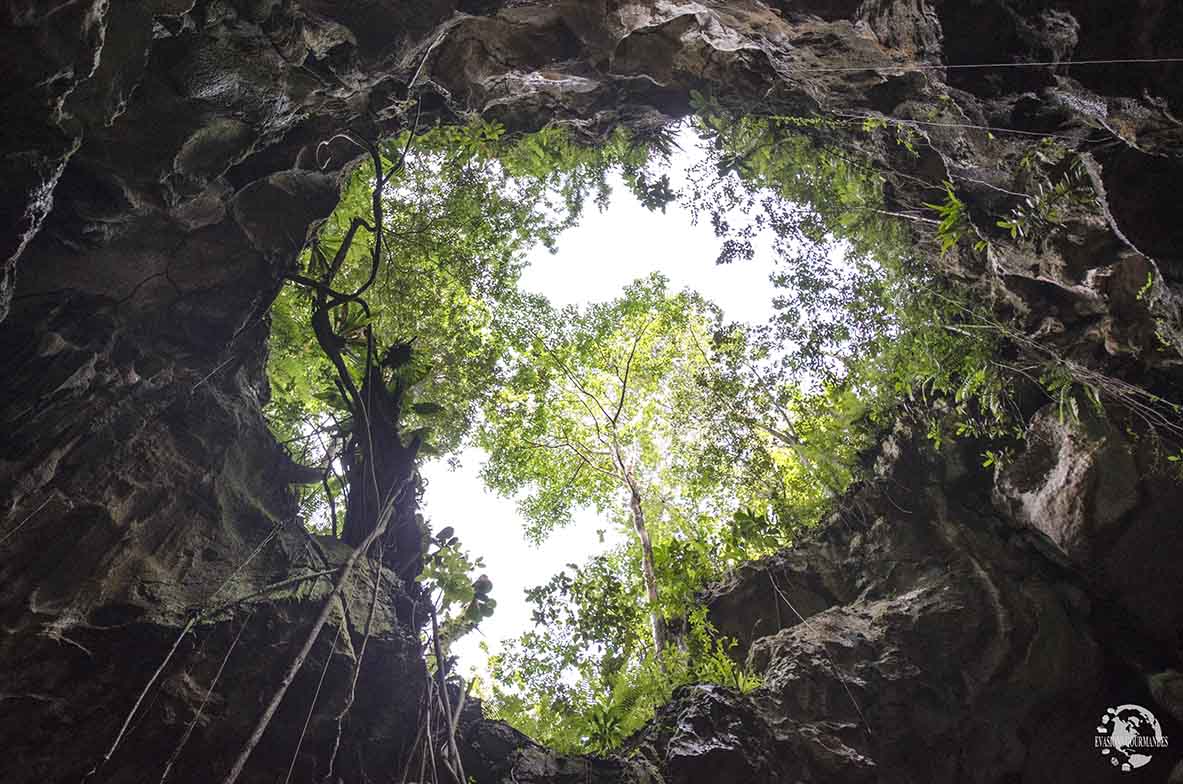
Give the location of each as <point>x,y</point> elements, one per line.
<point>928,632</point>
<point>161,169</point>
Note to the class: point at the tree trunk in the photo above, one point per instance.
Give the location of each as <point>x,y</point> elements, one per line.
<point>647,569</point>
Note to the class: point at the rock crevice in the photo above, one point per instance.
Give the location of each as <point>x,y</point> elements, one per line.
<point>162,167</point>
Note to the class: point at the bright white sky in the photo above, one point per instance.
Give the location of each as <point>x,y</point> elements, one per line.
<point>594,262</point>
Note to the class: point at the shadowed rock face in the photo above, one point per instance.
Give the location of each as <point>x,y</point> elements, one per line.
<point>955,647</point>
<point>147,489</point>
<point>162,165</point>
<point>923,633</point>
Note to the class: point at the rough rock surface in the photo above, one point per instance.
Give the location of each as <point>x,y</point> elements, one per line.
<point>921,634</point>
<point>161,168</point>
<point>951,645</point>
<point>1103,495</point>
<point>145,488</point>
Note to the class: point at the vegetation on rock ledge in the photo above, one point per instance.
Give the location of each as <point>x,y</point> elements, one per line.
<point>706,443</point>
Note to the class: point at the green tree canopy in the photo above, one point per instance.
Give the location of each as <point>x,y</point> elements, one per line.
<point>460,215</point>
<point>587,416</point>
<point>706,443</point>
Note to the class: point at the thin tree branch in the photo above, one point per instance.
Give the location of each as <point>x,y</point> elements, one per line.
<point>440,673</point>
<point>574,380</point>
<point>313,633</point>
<point>627,368</point>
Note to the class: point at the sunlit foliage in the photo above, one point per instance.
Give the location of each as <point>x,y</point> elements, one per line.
<point>701,443</point>
<point>468,205</point>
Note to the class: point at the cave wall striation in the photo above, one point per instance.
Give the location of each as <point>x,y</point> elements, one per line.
<point>163,162</point>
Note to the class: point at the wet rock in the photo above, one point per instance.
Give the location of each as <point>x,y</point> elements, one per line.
<point>895,683</point>
<point>948,646</point>
<point>1167,690</point>
<point>161,170</point>
<point>708,733</point>
<point>759,599</point>
<point>494,752</point>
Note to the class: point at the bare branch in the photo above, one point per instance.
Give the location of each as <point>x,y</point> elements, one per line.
<point>314,632</point>
<point>580,451</point>
<point>574,380</point>
<point>628,366</point>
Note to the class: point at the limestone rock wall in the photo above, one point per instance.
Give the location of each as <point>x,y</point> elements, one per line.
<point>926,632</point>
<point>162,165</point>
<point>143,491</point>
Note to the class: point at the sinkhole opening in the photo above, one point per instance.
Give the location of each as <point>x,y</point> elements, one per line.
<point>576,383</point>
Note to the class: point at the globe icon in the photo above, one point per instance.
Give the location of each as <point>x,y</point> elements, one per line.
<point>1127,734</point>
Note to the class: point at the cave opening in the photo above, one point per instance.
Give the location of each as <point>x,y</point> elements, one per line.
<point>653,439</point>
<point>497,371</point>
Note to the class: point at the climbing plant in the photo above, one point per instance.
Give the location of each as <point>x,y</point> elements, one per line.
<point>461,210</point>
<point>865,323</point>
